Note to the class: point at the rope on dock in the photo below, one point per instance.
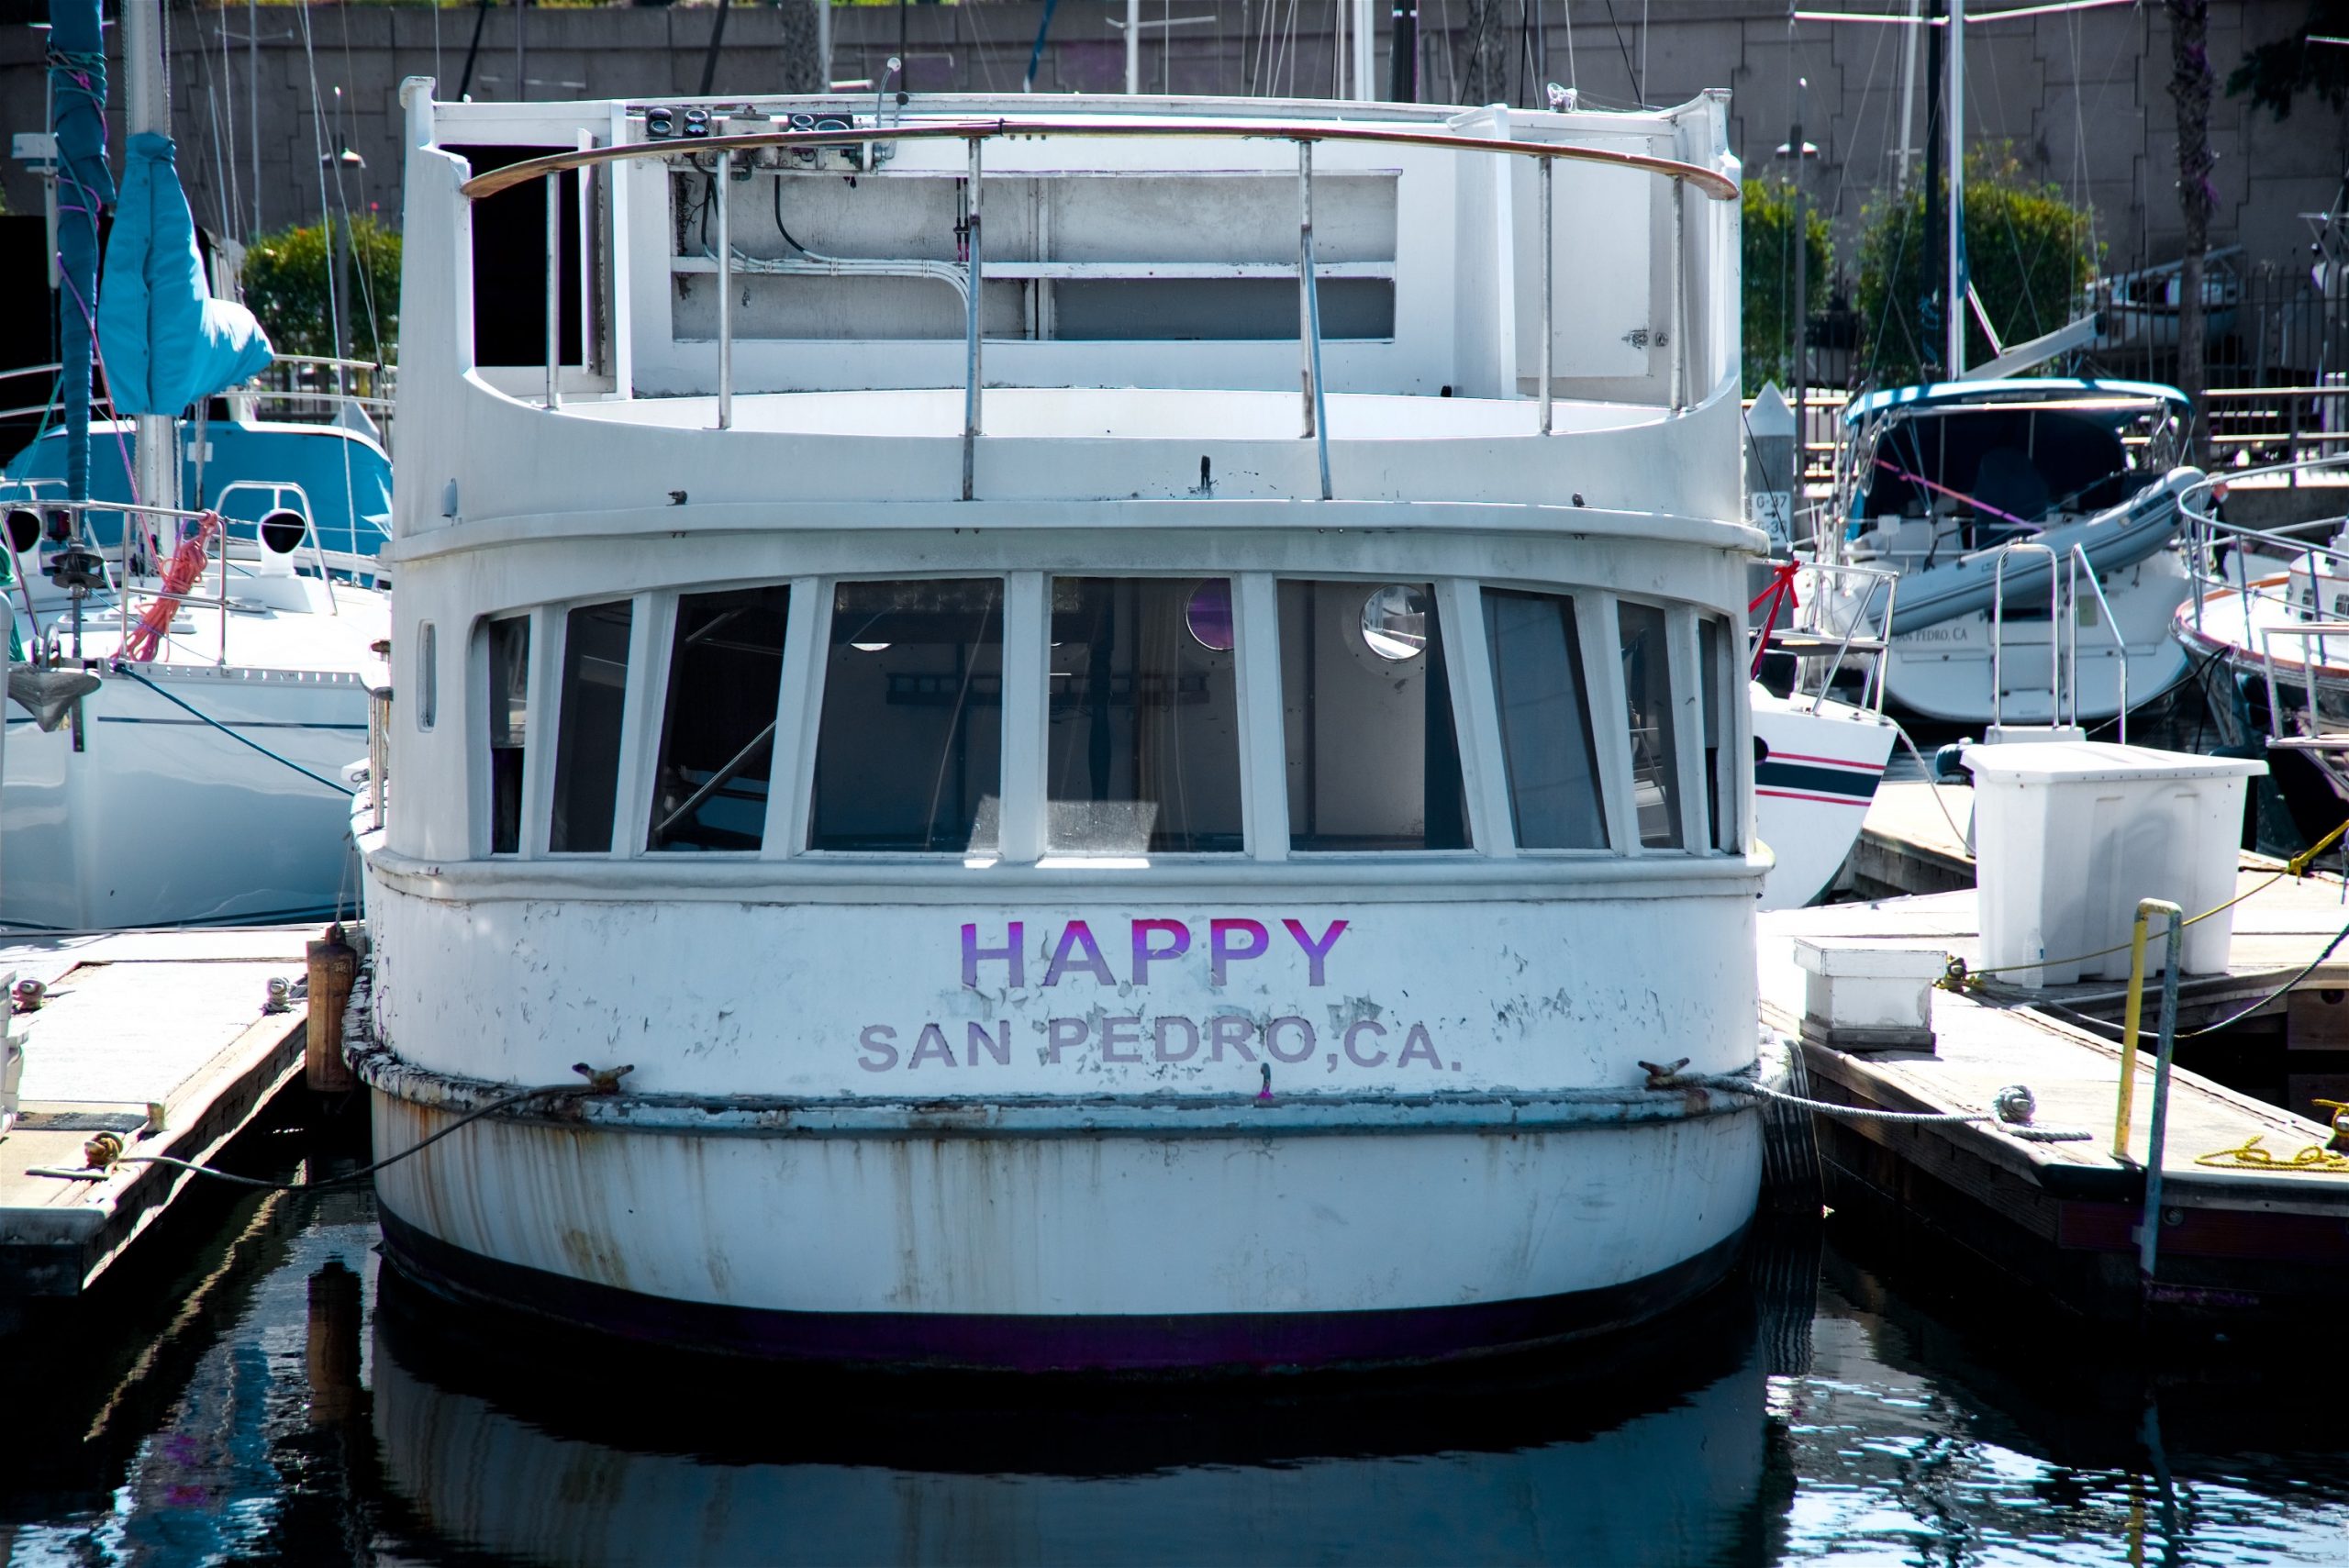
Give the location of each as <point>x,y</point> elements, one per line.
<point>2071,1005</point>
<point>105,1151</point>
<point>1733,1083</point>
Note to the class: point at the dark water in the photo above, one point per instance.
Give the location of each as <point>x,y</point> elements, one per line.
<point>278,1397</point>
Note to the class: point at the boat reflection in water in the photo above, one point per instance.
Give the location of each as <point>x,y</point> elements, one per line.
<point>517,1446</point>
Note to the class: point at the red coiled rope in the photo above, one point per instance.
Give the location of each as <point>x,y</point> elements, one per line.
<point>188,565</point>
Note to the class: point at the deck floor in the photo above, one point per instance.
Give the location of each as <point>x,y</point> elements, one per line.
<point>172,1020</point>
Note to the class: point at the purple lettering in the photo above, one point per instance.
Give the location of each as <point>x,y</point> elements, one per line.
<point>1232,1030</point>
<point>975,1038</point>
<point>1221,951</point>
<point>1061,1033</point>
<point>1008,952</point>
<point>1144,954</point>
<point>875,1039</point>
<point>1077,939</point>
<point>1361,1026</point>
<point>1272,1040</point>
<point>931,1047</point>
<point>1417,1047</point>
<point>1115,1032</point>
<point>1190,1041</point>
<point>1315,952</point>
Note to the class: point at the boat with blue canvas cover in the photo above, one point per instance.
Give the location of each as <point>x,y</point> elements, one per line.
<point>195,674</point>
<point>1957,486</point>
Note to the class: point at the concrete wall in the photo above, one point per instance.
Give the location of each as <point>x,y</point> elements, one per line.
<point>2083,97</point>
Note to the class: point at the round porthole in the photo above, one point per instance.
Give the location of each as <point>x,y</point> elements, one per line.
<point>1395,621</point>
<point>1209,615</point>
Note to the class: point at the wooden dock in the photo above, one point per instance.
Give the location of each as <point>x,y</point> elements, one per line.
<point>159,1038</point>
<point>2238,1242</point>
<point>1907,844</point>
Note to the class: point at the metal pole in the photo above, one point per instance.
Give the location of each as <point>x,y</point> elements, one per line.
<point>1134,47</point>
<point>725,200</point>
<point>970,368</point>
<point>1909,88</point>
<point>147,107</point>
<point>2149,1228</point>
<point>1317,412</point>
<point>1797,367</point>
<point>252,98</point>
<point>552,186</point>
<point>1680,316</point>
<point>1549,330</point>
<point>1953,307</point>
<point>1362,38</point>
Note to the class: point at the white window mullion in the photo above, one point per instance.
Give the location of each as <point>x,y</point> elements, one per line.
<point>798,718</point>
<point>1027,681</point>
<point>1263,736</point>
<point>539,726</point>
<point>1476,730</point>
<point>1602,662</point>
<point>639,696</point>
<point>1696,828</point>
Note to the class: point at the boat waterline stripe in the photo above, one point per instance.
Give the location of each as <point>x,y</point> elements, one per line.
<point>1775,774</point>
<point>1822,799</point>
<point>1051,1341</point>
<point>1779,756</point>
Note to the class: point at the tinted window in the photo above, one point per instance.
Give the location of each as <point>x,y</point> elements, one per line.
<point>718,727</point>
<point>1544,707</point>
<point>587,748</point>
<point>427,676</point>
<point>509,714</point>
<point>1647,685</point>
<point>1373,760</point>
<point>1144,737</point>
<point>909,754</point>
<point>1712,648</point>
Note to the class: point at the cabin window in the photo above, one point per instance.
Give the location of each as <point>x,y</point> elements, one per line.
<point>1647,687</point>
<point>1712,649</point>
<point>1544,707</point>
<point>1373,761</point>
<point>1145,725</point>
<point>510,713</point>
<point>910,753</point>
<point>587,745</point>
<point>428,675</point>
<point>717,729</point>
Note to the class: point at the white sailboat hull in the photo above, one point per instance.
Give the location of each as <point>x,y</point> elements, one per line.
<point>1813,788</point>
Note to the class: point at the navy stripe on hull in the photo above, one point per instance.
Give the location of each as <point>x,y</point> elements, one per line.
<point>1768,774</point>
<point>1190,1342</point>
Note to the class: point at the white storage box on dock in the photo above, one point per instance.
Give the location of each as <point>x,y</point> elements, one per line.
<point>2070,835</point>
<point>1862,996</point>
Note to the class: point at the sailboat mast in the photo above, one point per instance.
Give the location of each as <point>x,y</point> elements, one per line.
<point>77,67</point>
<point>1953,317</point>
<point>147,107</point>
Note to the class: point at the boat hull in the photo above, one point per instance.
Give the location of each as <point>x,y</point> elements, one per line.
<point>1085,1246</point>
<point>160,818</point>
<point>1812,789</point>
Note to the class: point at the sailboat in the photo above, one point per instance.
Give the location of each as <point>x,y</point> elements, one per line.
<point>2032,522</point>
<point>180,759</point>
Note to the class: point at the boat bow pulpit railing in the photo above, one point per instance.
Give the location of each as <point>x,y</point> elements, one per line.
<point>721,152</point>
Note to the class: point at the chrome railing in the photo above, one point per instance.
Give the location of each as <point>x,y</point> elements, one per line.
<point>1860,630</point>
<point>723,149</point>
<point>2055,632</point>
<point>2077,559</point>
<point>292,385</point>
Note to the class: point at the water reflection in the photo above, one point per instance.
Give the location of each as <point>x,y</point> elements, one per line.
<point>547,1457</point>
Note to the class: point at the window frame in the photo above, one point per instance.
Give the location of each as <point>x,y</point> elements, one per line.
<point>656,631</point>
<point>626,796</point>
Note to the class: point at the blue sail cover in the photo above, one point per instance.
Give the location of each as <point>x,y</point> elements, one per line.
<point>166,341</point>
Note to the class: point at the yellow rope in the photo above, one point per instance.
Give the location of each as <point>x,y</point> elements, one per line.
<point>1959,977</point>
<point>2249,1156</point>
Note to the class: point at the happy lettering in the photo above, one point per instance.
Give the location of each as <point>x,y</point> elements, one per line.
<point>1118,957</point>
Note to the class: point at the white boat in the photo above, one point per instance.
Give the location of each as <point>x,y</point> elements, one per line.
<point>1817,765</point>
<point>202,784</point>
<point>1968,490</point>
<point>1160,834</point>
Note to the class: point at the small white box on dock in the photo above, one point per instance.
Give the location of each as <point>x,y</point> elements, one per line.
<point>1862,996</point>
<point>2070,835</point>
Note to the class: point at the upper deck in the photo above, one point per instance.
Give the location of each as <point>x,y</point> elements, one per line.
<point>1024,299</point>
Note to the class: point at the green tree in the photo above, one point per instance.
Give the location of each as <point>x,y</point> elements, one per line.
<point>286,284</point>
<point>2028,254</point>
<point>2275,73</point>
<point>1768,259</point>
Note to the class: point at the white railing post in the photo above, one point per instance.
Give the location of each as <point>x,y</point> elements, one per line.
<point>725,200</point>
<point>971,365</point>
<point>1680,322</point>
<point>1548,327</point>
<point>553,185</point>
<point>1316,409</point>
